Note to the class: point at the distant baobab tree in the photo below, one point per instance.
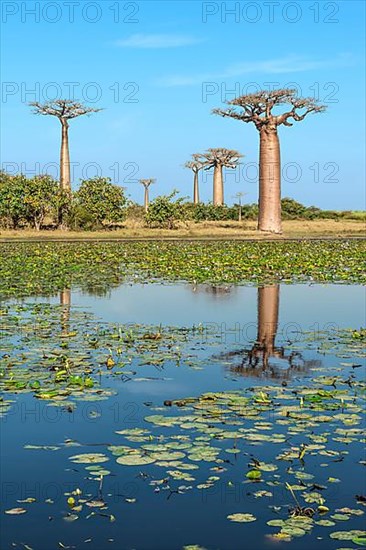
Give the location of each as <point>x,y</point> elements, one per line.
<point>195,166</point>
<point>64,110</point>
<point>146,183</point>
<point>258,108</point>
<point>239,196</point>
<point>218,159</point>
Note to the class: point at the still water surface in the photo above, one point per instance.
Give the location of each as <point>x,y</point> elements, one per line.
<point>255,334</point>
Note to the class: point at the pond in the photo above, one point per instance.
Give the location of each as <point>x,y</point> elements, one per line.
<point>184,415</point>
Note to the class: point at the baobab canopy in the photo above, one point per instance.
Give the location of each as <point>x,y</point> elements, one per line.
<point>258,108</point>
<point>218,157</point>
<point>62,108</point>
<point>195,165</point>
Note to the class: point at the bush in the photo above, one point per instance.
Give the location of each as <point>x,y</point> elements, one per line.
<point>135,211</point>
<point>12,194</point>
<point>25,200</point>
<point>163,212</point>
<point>41,193</point>
<point>98,203</point>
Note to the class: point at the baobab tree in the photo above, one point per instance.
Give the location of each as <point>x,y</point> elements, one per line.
<point>218,159</point>
<point>146,183</point>
<point>259,109</point>
<point>239,196</point>
<point>195,166</point>
<point>64,110</point>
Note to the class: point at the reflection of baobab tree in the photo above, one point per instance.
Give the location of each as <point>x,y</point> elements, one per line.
<point>65,303</point>
<point>264,358</point>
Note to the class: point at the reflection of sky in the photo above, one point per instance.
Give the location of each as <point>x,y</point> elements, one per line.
<point>310,307</point>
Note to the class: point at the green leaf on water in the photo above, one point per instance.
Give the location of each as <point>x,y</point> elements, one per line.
<point>241,518</point>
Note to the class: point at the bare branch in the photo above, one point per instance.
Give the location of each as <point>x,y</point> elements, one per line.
<point>194,165</point>
<point>63,109</point>
<point>147,182</point>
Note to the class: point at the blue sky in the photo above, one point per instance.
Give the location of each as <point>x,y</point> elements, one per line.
<point>158,69</point>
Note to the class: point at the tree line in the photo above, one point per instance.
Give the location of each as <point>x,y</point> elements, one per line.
<point>267,110</point>
<point>98,203</point>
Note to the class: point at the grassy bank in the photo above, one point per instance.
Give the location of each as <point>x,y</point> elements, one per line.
<point>292,229</point>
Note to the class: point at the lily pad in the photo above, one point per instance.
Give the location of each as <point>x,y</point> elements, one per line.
<point>241,518</point>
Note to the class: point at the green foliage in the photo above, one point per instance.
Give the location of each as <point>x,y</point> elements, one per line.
<point>29,268</point>
<point>12,194</point>
<point>26,200</point>
<point>293,210</point>
<point>135,211</point>
<point>40,199</point>
<point>99,203</point>
<point>163,211</point>
<point>210,212</point>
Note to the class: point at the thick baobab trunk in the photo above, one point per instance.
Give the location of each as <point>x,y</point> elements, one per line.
<point>196,196</point>
<point>269,218</point>
<point>268,305</point>
<point>146,199</point>
<point>65,158</point>
<point>218,186</point>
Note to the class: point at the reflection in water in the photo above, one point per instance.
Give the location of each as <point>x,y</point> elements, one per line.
<point>99,290</point>
<point>264,359</point>
<point>213,290</point>
<point>65,302</point>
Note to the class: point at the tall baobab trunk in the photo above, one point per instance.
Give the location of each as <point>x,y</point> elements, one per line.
<point>65,179</point>
<point>196,195</point>
<point>218,186</point>
<point>269,181</point>
<point>65,158</point>
<point>268,305</point>
<point>146,199</point>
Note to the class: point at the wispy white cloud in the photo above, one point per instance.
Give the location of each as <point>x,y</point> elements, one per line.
<point>157,41</point>
<point>288,64</point>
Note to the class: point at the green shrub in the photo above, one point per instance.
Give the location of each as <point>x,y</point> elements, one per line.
<point>40,199</point>
<point>98,203</point>
<point>12,194</point>
<point>164,211</point>
<point>135,211</point>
